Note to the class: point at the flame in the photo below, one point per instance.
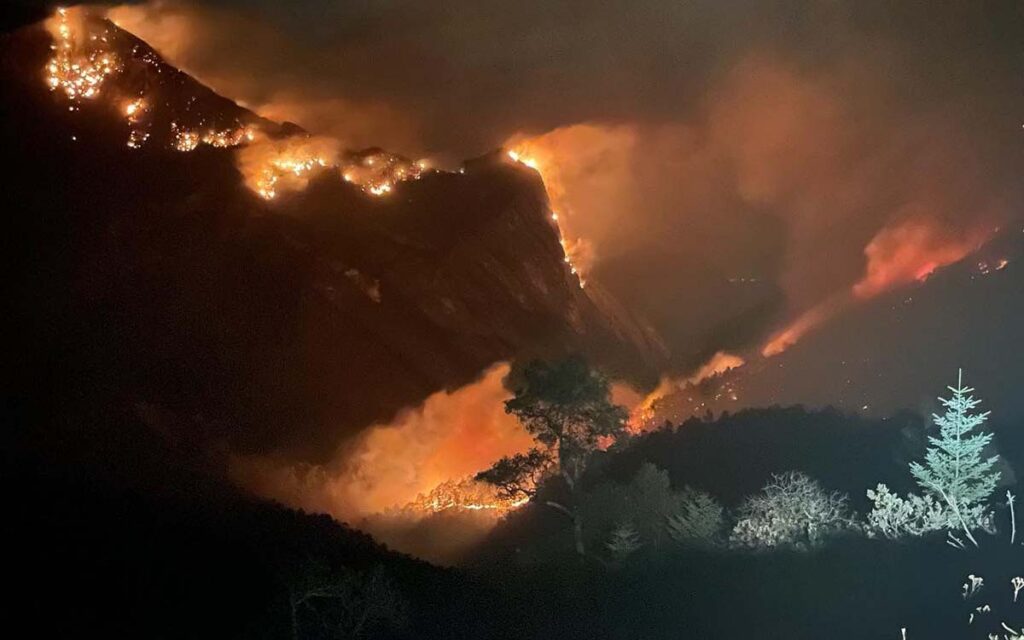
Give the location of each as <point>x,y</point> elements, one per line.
<point>643,413</point>
<point>463,494</point>
<point>134,109</point>
<point>81,60</point>
<point>577,252</point>
<point>184,140</point>
<point>898,255</point>
<point>804,323</point>
<point>271,167</point>
<point>452,435</point>
<point>912,251</point>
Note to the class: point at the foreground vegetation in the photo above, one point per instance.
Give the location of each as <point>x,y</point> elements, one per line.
<point>757,525</point>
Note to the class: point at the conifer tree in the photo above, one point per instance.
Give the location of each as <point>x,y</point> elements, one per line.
<point>625,541</point>
<point>953,468</point>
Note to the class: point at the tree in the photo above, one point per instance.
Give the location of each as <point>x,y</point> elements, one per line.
<point>645,502</point>
<point>953,468</point>
<point>566,406</point>
<point>894,517</point>
<point>791,510</point>
<point>517,477</point>
<point>624,542</point>
<point>348,604</point>
<point>698,520</point>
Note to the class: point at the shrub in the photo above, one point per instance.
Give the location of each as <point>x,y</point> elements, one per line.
<point>791,510</point>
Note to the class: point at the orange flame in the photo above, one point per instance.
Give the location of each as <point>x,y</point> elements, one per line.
<point>912,251</point>
<point>548,154</point>
<point>718,364</point>
<point>898,255</point>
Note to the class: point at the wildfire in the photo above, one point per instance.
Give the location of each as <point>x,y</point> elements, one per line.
<point>804,323</point>
<point>646,412</point>
<point>137,138</point>
<point>81,61</point>
<point>912,251</point>
<point>908,252</point>
<point>465,494</point>
<point>229,137</point>
<point>269,164</point>
<point>184,140</point>
<point>985,267</point>
<point>134,109</point>
<point>573,250</point>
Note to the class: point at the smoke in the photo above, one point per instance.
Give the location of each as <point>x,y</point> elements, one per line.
<point>758,156</point>
<point>451,435</point>
<point>912,250</point>
<point>641,409</point>
<point>738,174</point>
<point>270,166</point>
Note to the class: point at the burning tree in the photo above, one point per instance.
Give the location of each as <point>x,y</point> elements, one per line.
<point>566,406</point>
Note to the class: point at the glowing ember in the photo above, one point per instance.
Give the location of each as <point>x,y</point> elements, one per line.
<point>134,109</point>
<point>137,138</point>
<point>229,137</point>
<point>690,395</point>
<point>185,140</point>
<point>465,494</point>
<point>573,250</point>
<point>80,63</point>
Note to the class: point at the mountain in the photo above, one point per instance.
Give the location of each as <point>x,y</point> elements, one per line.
<point>961,316</point>
<point>144,268</point>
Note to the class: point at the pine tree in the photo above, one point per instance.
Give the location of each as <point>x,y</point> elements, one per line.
<point>624,542</point>
<point>953,468</point>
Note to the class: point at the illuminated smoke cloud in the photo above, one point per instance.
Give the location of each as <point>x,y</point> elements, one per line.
<point>452,435</point>
<point>912,251</point>
<point>740,176</point>
<point>270,167</point>
<point>642,410</point>
<point>748,156</point>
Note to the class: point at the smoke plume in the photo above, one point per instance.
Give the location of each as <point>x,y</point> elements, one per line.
<point>451,435</point>
<point>736,173</point>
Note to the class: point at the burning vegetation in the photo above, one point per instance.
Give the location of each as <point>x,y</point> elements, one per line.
<point>82,59</point>
<point>578,252</point>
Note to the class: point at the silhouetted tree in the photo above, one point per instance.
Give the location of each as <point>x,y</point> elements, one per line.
<point>624,542</point>
<point>349,604</point>
<point>698,520</point>
<point>517,477</point>
<point>645,502</point>
<point>566,406</point>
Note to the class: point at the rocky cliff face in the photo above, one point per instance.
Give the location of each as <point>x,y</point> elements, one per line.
<point>149,274</point>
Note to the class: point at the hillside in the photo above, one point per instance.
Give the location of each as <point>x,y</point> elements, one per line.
<point>284,322</point>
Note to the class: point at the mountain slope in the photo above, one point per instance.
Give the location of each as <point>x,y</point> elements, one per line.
<point>143,269</point>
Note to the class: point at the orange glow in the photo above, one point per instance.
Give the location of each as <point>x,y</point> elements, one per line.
<point>451,435</point>
<point>806,322</point>
<point>643,412</point>
<point>541,157</point>
<point>907,252</point>
<point>912,251</point>
<point>271,167</point>
<point>465,494</point>
<point>81,59</point>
